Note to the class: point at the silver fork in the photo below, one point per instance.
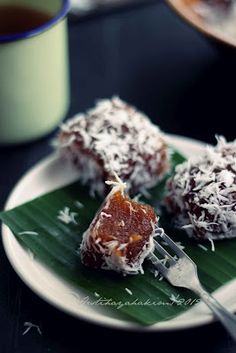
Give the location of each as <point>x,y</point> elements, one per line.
<point>183,273</point>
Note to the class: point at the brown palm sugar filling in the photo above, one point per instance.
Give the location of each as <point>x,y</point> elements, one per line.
<point>121,228</point>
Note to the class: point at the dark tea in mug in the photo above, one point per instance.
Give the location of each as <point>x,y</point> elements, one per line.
<point>17,19</point>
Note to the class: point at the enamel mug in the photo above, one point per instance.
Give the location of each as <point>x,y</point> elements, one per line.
<point>34,88</point>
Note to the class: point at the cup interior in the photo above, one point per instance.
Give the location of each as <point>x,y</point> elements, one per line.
<point>51,7</point>
<point>55,9</point>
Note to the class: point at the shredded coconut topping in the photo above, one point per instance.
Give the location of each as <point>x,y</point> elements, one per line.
<point>156,273</point>
<point>67,216</point>
<point>212,244</point>
<point>114,138</point>
<point>202,193</point>
<point>28,232</point>
<point>78,204</point>
<point>128,291</point>
<point>29,326</point>
<point>104,214</point>
<point>202,247</point>
<point>174,299</point>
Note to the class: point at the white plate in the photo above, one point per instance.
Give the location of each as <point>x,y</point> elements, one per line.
<point>48,175</point>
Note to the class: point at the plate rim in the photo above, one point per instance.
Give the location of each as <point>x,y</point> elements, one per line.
<point>183,12</point>
<point>99,319</point>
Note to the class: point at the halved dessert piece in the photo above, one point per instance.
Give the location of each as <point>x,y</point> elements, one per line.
<point>121,235</point>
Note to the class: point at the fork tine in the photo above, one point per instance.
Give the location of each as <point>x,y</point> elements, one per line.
<point>157,263</point>
<point>163,252</point>
<point>171,243</point>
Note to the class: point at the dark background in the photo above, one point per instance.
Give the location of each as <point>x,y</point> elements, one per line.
<point>186,84</point>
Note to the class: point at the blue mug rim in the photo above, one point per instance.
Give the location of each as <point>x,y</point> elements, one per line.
<point>38,30</point>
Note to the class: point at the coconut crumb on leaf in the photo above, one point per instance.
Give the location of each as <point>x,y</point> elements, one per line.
<point>67,216</point>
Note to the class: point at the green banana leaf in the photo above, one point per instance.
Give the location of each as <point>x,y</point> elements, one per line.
<point>57,244</point>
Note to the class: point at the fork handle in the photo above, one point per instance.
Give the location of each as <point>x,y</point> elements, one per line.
<point>227,319</point>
